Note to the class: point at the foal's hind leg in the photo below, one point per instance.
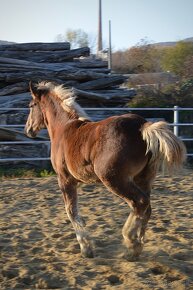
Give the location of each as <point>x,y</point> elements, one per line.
<point>139,202</point>
<point>136,224</point>
<point>134,228</point>
<point>144,181</point>
<point>69,191</point>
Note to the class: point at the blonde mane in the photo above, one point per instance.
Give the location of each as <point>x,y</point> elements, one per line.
<point>67,97</point>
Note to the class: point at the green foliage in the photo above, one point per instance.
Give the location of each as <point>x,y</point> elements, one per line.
<point>174,58</point>
<point>15,172</point>
<point>151,98</point>
<point>46,173</point>
<point>167,97</point>
<point>145,58</point>
<point>180,94</point>
<point>7,172</point>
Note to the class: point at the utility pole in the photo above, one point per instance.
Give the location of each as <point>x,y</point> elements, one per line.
<point>110,48</point>
<point>100,44</point>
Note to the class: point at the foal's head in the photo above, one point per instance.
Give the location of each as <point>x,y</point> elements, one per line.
<point>35,121</point>
<point>62,101</point>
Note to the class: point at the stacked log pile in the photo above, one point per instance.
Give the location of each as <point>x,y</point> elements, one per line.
<point>90,78</point>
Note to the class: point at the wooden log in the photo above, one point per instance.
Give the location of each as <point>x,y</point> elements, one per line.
<point>14,89</point>
<point>84,63</point>
<point>21,87</point>
<point>81,63</point>
<point>99,70</point>
<point>109,95</point>
<point>15,77</point>
<point>36,46</point>
<point>91,63</point>
<point>118,93</point>
<point>90,95</point>
<point>15,101</point>
<point>18,63</point>
<point>45,56</point>
<point>14,135</point>
<point>6,68</point>
<point>14,68</point>
<point>102,83</point>
<point>65,74</point>
<point>67,55</point>
<point>79,75</point>
<point>12,64</point>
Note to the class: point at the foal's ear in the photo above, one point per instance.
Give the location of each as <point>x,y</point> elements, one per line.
<point>36,92</point>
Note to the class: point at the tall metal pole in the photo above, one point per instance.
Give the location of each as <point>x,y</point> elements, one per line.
<point>100,45</point>
<point>110,49</point>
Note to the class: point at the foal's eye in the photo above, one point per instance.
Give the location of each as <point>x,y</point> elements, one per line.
<point>32,105</point>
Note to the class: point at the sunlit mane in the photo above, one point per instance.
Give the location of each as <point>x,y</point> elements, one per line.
<point>67,97</point>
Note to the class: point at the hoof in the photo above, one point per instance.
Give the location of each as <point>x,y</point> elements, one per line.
<point>129,255</point>
<point>137,249</point>
<point>88,253</point>
<point>133,251</point>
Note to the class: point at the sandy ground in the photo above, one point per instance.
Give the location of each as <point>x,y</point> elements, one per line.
<point>39,249</point>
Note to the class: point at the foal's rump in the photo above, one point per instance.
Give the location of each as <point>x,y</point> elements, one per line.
<point>129,144</point>
<point>121,150</point>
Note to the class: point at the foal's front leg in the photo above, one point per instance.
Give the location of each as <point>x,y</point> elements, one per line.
<point>68,187</point>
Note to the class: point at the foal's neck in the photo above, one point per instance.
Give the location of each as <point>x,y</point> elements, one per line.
<point>55,116</point>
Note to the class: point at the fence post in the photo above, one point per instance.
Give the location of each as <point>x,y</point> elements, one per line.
<point>176,120</point>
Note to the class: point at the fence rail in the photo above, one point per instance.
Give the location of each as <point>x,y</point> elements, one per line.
<point>176,124</point>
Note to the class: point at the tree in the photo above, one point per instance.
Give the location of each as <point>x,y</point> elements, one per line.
<point>141,58</point>
<point>120,63</point>
<point>188,68</point>
<point>176,58</point>
<point>77,38</point>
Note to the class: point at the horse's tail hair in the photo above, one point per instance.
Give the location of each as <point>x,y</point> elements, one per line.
<point>166,150</point>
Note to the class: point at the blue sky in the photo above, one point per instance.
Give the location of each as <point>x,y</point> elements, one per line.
<point>131,20</point>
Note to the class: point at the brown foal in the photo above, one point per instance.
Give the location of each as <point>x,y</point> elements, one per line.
<point>123,152</point>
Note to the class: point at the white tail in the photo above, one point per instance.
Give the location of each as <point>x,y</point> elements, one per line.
<point>167,150</point>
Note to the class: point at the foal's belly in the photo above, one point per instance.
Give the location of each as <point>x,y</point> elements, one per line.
<point>84,173</point>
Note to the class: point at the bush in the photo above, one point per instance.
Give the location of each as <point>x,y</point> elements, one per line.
<point>180,94</point>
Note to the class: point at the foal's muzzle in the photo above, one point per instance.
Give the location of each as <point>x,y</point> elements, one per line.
<point>30,132</point>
